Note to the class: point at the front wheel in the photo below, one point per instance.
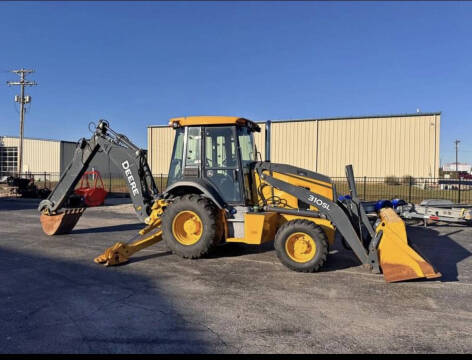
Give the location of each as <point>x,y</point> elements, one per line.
<point>191,226</point>
<point>301,245</point>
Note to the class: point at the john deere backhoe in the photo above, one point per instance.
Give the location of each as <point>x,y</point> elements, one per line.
<point>218,192</point>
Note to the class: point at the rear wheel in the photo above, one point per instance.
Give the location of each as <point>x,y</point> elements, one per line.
<point>191,226</point>
<point>301,245</point>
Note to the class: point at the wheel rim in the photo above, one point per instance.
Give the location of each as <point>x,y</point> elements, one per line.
<point>187,227</point>
<point>300,247</point>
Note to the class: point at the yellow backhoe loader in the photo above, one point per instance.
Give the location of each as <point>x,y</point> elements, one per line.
<point>218,192</point>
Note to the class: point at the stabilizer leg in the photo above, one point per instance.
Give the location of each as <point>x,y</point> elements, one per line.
<point>150,235</point>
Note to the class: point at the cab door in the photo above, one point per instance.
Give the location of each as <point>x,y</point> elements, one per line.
<point>221,162</point>
<point>186,155</point>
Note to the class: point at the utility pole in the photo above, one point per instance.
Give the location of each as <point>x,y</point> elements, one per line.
<point>22,99</point>
<point>457,149</point>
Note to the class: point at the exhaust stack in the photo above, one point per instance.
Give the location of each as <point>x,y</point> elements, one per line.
<point>267,141</point>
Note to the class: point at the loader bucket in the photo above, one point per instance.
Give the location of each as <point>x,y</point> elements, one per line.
<point>398,260</point>
<point>61,223</point>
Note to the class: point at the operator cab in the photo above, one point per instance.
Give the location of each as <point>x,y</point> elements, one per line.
<point>223,158</point>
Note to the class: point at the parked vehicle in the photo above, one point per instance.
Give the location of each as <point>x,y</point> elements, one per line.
<point>218,192</point>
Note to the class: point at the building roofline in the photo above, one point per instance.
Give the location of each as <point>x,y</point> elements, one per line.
<point>337,118</point>
<point>362,117</point>
<point>33,138</point>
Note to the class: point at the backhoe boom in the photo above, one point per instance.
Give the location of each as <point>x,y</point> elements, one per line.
<point>124,154</point>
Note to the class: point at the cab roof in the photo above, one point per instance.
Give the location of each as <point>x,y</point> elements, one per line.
<point>212,120</point>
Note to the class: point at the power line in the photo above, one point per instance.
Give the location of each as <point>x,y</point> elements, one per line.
<point>22,99</point>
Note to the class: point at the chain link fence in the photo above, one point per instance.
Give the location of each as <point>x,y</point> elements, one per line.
<point>409,189</point>
<point>113,183</point>
<point>369,188</point>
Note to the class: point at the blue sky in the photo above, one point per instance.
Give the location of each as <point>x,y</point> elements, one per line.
<point>141,63</point>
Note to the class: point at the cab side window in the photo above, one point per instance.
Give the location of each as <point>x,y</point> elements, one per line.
<point>175,170</point>
<point>194,138</point>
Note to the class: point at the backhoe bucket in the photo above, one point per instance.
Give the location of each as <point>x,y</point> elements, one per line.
<point>61,223</point>
<point>398,260</point>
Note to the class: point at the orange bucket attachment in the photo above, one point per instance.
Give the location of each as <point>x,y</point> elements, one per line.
<point>398,260</point>
<point>61,223</point>
<point>93,195</point>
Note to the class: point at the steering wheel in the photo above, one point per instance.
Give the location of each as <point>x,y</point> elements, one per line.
<point>218,178</point>
<point>177,165</point>
<point>229,162</point>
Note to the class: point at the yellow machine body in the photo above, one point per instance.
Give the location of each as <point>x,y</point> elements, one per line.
<point>291,202</point>
<point>267,209</point>
<point>261,227</point>
<point>210,120</point>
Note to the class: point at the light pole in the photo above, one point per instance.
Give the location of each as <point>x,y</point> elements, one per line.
<point>457,152</point>
<point>22,99</point>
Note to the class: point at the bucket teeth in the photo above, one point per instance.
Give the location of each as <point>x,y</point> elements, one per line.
<point>61,223</point>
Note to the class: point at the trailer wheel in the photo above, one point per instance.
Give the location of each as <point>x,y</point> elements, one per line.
<point>191,226</point>
<point>301,245</point>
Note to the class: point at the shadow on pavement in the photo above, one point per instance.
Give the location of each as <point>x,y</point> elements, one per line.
<point>340,258</point>
<point>137,258</point>
<point>442,252</point>
<point>238,249</point>
<point>49,305</point>
<point>18,204</point>
<point>32,203</point>
<point>102,229</point>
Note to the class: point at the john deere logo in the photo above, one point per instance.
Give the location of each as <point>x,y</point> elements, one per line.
<point>130,178</point>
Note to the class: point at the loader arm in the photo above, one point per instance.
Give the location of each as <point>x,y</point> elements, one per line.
<point>388,250</point>
<point>326,207</point>
<point>124,154</point>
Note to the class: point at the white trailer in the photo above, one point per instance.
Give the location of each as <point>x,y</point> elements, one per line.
<point>434,210</point>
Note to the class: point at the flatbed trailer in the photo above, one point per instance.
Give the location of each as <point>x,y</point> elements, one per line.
<point>434,210</point>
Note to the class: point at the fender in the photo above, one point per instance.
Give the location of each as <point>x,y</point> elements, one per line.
<point>202,186</point>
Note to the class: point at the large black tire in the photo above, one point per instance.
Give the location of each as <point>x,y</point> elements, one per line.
<point>209,216</point>
<point>314,231</point>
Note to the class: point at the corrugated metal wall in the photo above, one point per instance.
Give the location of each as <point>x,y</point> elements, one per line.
<point>380,146</point>
<point>38,155</point>
<point>160,143</point>
<point>53,156</point>
<point>294,143</point>
<point>375,146</point>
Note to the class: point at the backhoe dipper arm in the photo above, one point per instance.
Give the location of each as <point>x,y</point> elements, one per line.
<point>123,153</point>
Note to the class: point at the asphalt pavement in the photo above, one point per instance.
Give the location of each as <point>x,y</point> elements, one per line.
<point>55,299</point>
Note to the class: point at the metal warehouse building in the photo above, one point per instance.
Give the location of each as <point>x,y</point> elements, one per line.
<point>46,156</point>
<point>377,146</point>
